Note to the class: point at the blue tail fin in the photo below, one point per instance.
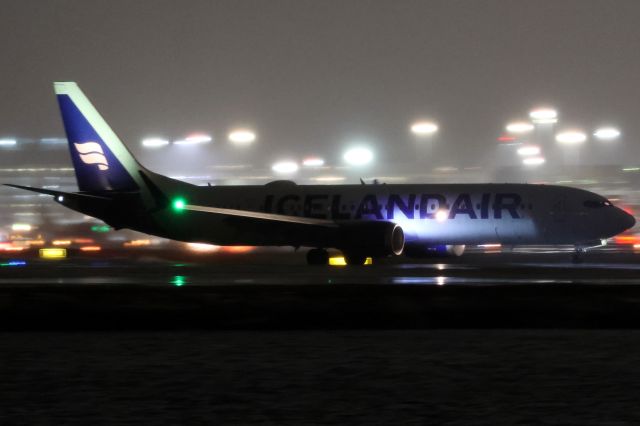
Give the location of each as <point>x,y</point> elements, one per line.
<point>101,161</point>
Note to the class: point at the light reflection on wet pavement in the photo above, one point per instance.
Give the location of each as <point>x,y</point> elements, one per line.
<point>529,270</point>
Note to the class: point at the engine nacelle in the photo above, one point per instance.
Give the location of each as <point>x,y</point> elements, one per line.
<point>372,238</point>
<point>426,251</point>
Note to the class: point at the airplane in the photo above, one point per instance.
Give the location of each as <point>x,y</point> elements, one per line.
<point>379,220</point>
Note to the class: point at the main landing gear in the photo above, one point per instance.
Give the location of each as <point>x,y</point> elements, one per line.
<point>319,256</point>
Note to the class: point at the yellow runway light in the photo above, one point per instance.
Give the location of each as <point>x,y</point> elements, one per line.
<point>53,253</point>
<point>340,261</point>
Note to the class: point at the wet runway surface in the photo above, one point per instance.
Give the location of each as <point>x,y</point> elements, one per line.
<point>486,340</point>
<point>280,292</point>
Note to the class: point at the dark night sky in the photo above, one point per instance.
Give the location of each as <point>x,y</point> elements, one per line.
<point>313,75</point>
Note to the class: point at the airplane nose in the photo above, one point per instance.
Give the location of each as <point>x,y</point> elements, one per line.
<point>625,220</point>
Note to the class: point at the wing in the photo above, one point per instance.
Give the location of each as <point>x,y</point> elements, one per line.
<point>262,216</point>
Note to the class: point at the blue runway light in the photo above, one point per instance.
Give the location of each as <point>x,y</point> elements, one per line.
<point>14,263</point>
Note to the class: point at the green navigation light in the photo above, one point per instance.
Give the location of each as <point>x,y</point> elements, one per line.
<point>178,280</point>
<point>179,204</point>
<point>100,228</point>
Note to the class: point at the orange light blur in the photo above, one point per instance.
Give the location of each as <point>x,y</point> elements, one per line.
<point>10,247</point>
<point>35,242</point>
<point>83,240</point>
<point>202,248</point>
<point>61,242</point>
<point>137,243</point>
<point>90,248</point>
<point>627,239</point>
<point>238,249</point>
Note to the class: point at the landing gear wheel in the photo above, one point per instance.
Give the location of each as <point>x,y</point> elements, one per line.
<point>355,258</point>
<point>578,255</point>
<point>318,257</point>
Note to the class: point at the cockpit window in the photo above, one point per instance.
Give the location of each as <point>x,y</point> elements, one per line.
<point>596,204</point>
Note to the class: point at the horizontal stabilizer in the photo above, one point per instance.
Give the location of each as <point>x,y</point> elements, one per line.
<point>56,193</point>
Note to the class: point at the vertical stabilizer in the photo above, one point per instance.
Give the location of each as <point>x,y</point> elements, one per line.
<point>101,161</point>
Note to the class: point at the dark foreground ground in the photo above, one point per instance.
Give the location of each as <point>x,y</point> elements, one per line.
<point>500,340</point>
<point>452,377</point>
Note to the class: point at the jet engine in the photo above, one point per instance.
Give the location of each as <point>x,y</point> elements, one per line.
<point>426,251</point>
<point>372,238</point>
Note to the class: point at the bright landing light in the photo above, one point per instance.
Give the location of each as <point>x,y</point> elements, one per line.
<point>358,156</point>
<point>529,150</point>
<point>519,127</point>
<point>7,142</point>
<point>441,215</point>
<point>242,136</point>
<point>285,167</point>
<point>424,128</point>
<point>571,137</point>
<point>607,133</point>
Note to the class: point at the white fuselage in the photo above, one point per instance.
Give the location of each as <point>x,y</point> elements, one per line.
<point>428,214</point>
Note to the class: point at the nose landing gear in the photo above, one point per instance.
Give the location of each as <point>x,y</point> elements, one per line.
<point>579,255</point>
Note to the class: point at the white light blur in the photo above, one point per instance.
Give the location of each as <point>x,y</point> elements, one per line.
<point>194,139</point>
<point>313,162</point>
<point>529,150</point>
<point>571,137</point>
<point>21,227</point>
<point>7,142</point>
<point>533,161</point>
<point>441,215</point>
<point>242,137</point>
<point>358,156</point>
<point>440,280</point>
<point>544,116</point>
<point>203,248</point>
<point>154,142</point>
<point>53,141</point>
<point>424,128</point>
<point>285,167</point>
<point>328,178</point>
<point>519,127</point>
<point>607,133</point>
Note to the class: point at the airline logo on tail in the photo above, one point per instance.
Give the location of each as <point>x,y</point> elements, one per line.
<point>92,153</point>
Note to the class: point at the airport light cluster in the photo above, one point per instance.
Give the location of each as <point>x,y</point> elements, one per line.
<point>424,128</point>
<point>194,139</point>
<point>285,167</point>
<point>571,137</point>
<point>607,133</point>
<point>313,162</point>
<point>241,137</point>
<point>533,161</point>
<point>358,156</point>
<point>544,116</point>
<point>154,142</point>
<point>519,127</point>
<point>529,150</point>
